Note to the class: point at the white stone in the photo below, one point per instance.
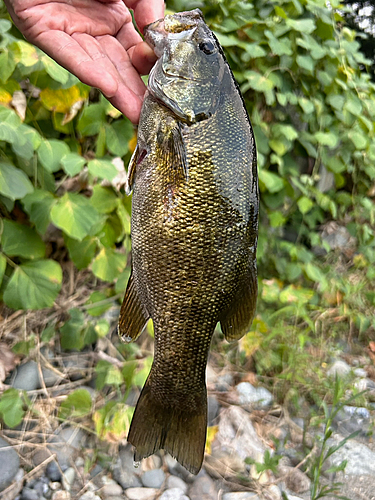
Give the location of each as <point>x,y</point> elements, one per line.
<point>141,493</point>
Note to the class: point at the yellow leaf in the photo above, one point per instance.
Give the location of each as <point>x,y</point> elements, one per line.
<point>28,54</point>
<point>250,343</point>
<point>5,98</point>
<point>211,433</point>
<point>61,100</point>
<point>132,143</point>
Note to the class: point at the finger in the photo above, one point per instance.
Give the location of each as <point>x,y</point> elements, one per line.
<point>127,36</point>
<point>120,59</point>
<point>70,54</point>
<point>142,57</point>
<point>145,11</point>
<point>129,96</point>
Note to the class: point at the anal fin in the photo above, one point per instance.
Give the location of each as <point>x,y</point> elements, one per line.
<point>133,315</point>
<point>236,320</point>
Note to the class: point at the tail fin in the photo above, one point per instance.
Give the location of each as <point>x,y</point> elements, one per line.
<point>181,432</point>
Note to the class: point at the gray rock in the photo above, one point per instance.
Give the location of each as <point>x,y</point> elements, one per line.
<point>124,471</point>
<point>203,488</point>
<point>240,495</point>
<point>41,487</point>
<point>50,377</point>
<point>360,372</point>
<point>236,439</point>
<point>212,410</point>
<point>177,470</point>
<point>153,478</point>
<point>27,377</point>
<point>224,382</point>
<point>173,494</point>
<point>29,494</point>
<point>89,495</point>
<point>141,493</point>
<point>295,480</point>
<point>292,497</point>
<point>351,419</point>
<point>65,443</point>
<point>339,368</point>
<point>176,482</point>
<point>61,495</point>
<point>53,472</point>
<point>9,464</point>
<point>111,490</point>
<point>250,395</point>
<point>337,238</point>
<point>361,460</point>
<point>68,478</point>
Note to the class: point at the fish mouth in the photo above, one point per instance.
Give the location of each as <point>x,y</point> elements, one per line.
<point>179,25</point>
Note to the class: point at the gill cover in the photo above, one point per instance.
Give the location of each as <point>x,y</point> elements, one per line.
<point>188,75</point>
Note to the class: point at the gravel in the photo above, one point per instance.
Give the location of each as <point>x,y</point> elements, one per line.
<point>27,377</point>
<point>250,395</point>
<point>9,464</point>
<point>153,478</point>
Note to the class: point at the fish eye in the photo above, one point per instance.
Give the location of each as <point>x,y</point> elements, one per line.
<point>207,47</point>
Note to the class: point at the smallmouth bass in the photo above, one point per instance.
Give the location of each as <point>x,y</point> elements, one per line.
<point>194,231</point>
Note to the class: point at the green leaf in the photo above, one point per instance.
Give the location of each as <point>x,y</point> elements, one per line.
<point>7,65</point>
<point>336,101</point>
<point>91,120</point>
<point>107,374</point>
<point>75,215</point>
<point>306,105</point>
<point>327,139</point>
<point>54,70</point>
<point>358,139</point>
<point>50,153</point>
<point>11,407</point>
<point>142,374</point>
<point>103,169</point>
<point>123,215</point>
<point>77,404</point>
<point>108,264</point>
<point>14,183</point>
<point>303,25</point>
<point>72,331</point>
<point>271,181</point>
<point>104,199</point>
<point>28,141</point>
<point>72,163</point>
<point>305,62</point>
<point>38,205</point>
<point>279,46</point>
<point>118,135</point>
<point>21,241</point>
<point>100,308</point>
<point>257,82</point>
<point>81,252</point>
<point>3,265</point>
<point>304,204</point>
<point>34,285</point>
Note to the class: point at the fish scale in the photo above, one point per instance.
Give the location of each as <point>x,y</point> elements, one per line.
<point>194,231</point>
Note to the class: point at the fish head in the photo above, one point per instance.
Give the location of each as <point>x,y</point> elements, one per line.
<point>187,78</point>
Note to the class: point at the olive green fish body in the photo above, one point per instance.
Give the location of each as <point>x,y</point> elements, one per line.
<point>194,233</point>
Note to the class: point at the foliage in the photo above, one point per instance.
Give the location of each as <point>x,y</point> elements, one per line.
<point>54,172</point>
<point>62,147</point>
<point>317,490</point>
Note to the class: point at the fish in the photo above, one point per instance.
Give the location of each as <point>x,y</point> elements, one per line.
<point>194,225</point>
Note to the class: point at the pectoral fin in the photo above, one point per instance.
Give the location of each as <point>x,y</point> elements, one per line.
<point>137,157</point>
<point>174,155</point>
<point>133,315</point>
<point>237,319</point>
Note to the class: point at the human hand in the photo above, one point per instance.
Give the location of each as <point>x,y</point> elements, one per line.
<point>96,41</point>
